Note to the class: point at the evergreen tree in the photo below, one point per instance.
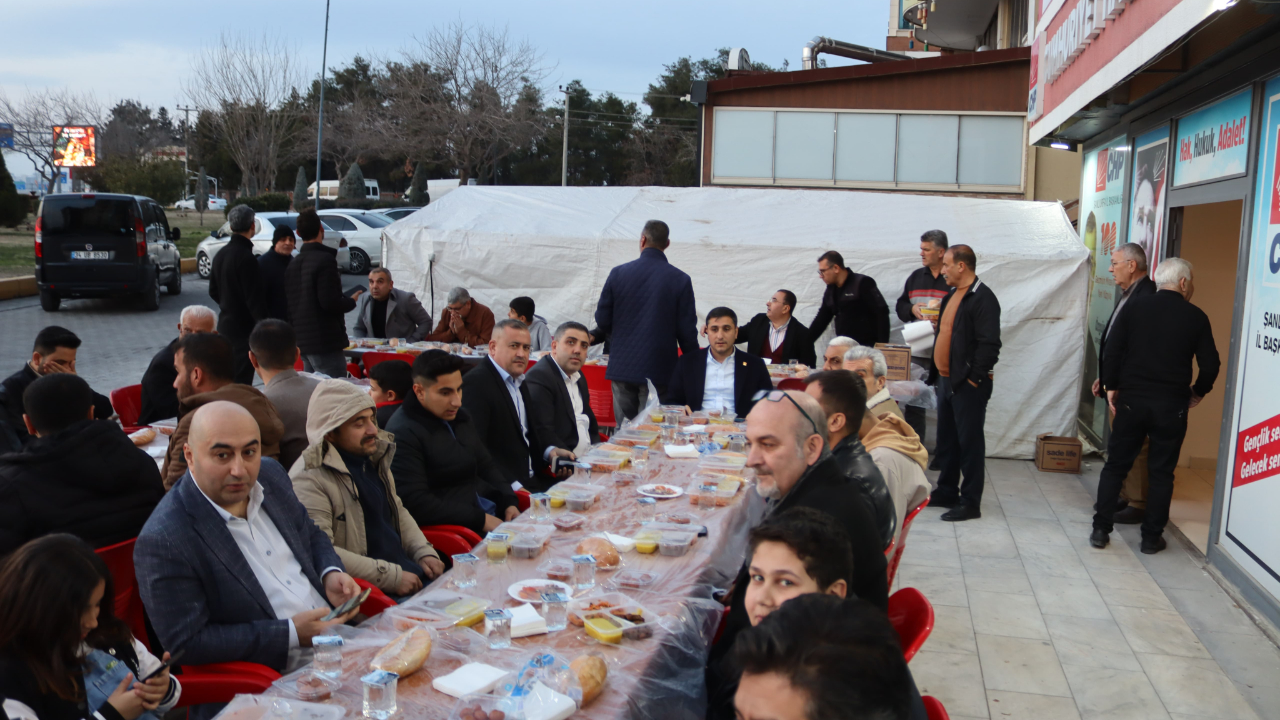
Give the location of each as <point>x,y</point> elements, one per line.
<point>418,187</point>
<point>352,186</point>
<point>300,189</point>
<point>12,208</point>
<point>202,194</point>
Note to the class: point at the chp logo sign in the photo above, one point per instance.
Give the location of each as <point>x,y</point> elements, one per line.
<point>1101,183</point>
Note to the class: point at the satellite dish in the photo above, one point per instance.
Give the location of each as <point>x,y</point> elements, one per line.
<point>739,59</point>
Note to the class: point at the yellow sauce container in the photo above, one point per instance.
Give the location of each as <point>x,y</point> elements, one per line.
<point>604,629</point>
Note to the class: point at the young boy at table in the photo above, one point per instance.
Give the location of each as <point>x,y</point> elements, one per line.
<point>801,551</point>
<point>390,383</point>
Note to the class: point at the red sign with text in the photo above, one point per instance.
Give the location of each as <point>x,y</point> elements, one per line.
<point>1257,452</point>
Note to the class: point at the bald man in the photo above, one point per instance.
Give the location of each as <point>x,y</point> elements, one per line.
<point>232,523</point>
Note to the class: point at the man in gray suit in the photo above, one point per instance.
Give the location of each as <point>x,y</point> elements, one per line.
<point>385,312</point>
<point>273,350</point>
<point>230,566</point>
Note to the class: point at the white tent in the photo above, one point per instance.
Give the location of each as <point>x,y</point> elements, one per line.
<point>558,244</point>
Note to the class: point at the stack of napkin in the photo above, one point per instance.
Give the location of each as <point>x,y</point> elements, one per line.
<point>543,703</point>
<point>681,451</point>
<point>470,679</point>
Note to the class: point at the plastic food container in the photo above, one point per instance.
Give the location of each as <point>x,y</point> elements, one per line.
<point>309,686</point>
<point>492,707</point>
<point>525,547</point>
<point>405,618</point>
<point>675,544</point>
<point>625,477</point>
<point>539,533</point>
<point>602,464</point>
<point>580,501</point>
<point>611,617</point>
<point>723,461</point>
<point>562,489</point>
<point>557,569</point>
<point>568,521</point>
<point>634,579</point>
<point>461,640</point>
<point>647,541</point>
<point>634,438</point>
<point>465,610</point>
<point>676,518</point>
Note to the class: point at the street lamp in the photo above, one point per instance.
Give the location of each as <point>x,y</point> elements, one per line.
<point>324,60</point>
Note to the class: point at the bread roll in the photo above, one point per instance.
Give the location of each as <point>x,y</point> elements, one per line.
<point>591,672</point>
<point>143,437</point>
<point>605,553</point>
<point>405,654</point>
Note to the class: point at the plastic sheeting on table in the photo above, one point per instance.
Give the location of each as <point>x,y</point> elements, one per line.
<point>658,678</point>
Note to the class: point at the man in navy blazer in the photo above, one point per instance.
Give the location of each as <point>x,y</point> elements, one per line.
<point>719,376</point>
<point>646,310</point>
<point>230,566</point>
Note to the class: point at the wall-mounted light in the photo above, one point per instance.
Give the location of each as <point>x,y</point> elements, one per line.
<point>1059,145</point>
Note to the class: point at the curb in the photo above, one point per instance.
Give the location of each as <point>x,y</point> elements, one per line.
<point>26,286</point>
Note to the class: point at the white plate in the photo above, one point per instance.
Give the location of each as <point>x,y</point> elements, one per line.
<point>647,491</point>
<point>514,590</point>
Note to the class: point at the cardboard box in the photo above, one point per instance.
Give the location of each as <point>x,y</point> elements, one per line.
<point>898,358</point>
<point>1058,454</point>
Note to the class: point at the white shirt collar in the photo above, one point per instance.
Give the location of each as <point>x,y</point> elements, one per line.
<point>568,378</point>
<point>255,502</point>
<point>506,376</point>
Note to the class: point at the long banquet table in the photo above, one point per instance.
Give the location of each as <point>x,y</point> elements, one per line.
<point>657,677</point>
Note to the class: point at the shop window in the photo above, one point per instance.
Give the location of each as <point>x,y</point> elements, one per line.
<point>990,150</point>
<point>865,146</point>
<point>927,147</point>
<point>743,144</point>
<point>805,145</point>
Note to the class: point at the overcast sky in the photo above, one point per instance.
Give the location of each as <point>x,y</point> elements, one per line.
<point>142,49</point>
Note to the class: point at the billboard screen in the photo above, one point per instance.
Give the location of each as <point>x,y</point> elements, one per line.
<point>74,146</point>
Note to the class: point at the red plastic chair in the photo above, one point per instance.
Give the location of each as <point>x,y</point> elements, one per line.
<point>446,543</point>
<point>354,370</point>
<point>522,500</point>
<point>791,384</point>
<point>902,539</point>
<point>127,402</point>
<point>601,392</point>
<point>467,534</point>
<point>297,363</point>
<point>128,601</point>
<point>933,708</point>
<point>377,600</point>
<point>373,358</point>
<point>220,682</point>
<point>912,617</point>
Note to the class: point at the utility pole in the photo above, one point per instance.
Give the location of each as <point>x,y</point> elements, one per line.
<point>564,157</point>
<point>324,60</point>
<point>186,129</point>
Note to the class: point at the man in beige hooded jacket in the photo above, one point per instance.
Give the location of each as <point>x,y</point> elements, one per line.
<point>344,480</point>
<point>897,451</point>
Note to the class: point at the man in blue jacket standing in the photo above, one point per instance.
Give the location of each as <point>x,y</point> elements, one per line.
<point>646,309</point>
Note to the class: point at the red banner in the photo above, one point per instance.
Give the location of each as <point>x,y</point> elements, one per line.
<point>1257,452</point>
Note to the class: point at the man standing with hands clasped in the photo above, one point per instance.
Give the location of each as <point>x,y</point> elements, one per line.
<point>1147,375</point>
<point>966,347</point>
<point>1129,268</point>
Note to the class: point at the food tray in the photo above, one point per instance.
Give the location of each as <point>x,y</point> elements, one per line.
<point>617,616</point>
<point>633,579</point>
<point>675,544</point>
<point>647,541</point>
<point>602,464</point>
<point>407,617</point>
<point>493,707</point>
<point>635,438</point>
<point>609,447</point>
<point>537,531</point>
<point>307,686</point>
<point>579,501</point>
<point>562,489</point>
<point>568,521</point>
<point>256,707</point>
<point>466,610</point>
<point>723,460</point>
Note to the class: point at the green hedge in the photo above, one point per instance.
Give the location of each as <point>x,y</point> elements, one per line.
<point>267,202</point>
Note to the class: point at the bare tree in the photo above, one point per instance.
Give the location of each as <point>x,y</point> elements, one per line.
<point>34,117</point>
<point>249,87</point>
<point>468,95</point>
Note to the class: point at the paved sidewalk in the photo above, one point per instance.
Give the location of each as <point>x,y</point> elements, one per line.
<point>1032,622</point>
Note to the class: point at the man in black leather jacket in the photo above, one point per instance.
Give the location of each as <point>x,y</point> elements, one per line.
<point>843,397</point>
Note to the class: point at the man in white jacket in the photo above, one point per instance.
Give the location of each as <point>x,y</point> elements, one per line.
<point>344,480</point>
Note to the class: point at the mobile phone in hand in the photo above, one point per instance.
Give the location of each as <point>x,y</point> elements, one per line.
<point>357,289</point>
<point>173,659</point>
<point>348,606</point>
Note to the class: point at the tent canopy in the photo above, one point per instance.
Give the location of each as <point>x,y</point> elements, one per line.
<point>557,245</point>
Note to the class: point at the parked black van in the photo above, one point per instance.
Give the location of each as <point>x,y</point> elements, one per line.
<point>104,245</point>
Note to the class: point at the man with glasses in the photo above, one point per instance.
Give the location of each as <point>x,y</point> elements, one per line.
<point>853,300</point>
<point>787,431</point>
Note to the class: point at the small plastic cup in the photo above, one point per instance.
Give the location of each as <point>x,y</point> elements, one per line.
<point>328,656</point>
<point>584,572</point>
<point>737,443</point>
<point>464,570</point>
<point>648,509</point>
<point>706,496</point>
<point>555,610</point>
<point>499,628</point>
<point>539,506</point>
<point>379,694</point>
<point>670,418</point>
<point>497,546</point>
<point>669,431</point>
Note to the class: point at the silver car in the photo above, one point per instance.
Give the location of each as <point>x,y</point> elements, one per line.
<point>264,228</point>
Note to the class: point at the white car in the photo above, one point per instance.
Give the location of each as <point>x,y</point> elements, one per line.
<point>215,203</point>
<point>363,230</point>
<point>264,227</point>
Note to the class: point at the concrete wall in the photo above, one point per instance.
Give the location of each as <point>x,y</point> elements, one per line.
<point>1211,243</point>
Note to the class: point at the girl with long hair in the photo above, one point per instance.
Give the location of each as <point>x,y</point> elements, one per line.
<point>64,655</point>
